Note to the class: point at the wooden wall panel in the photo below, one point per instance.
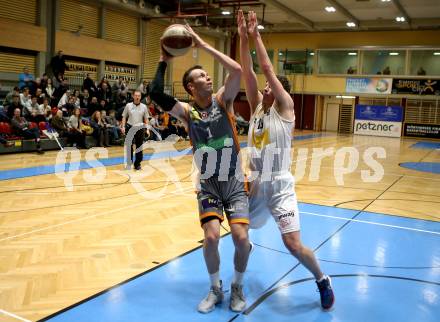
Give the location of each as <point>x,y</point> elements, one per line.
<point>74,14</point>
<point>22,35</point>
<point>99,49</point>
<point>121,27</point>
<point>19,10</point>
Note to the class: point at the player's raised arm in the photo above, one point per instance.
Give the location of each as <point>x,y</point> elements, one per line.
<point>167,102</point>
<point>284,102</point>
<point>253,95</point>
<point>232,83</point>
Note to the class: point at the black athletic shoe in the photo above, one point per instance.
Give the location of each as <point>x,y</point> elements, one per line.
<point>326,292</point>
<point>138,168</point>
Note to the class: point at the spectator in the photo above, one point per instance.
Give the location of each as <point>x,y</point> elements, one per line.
<point>25,79</point>
<point>40,95</point>
<point>37,114</point>
<point>90,86</point>
<point>77,101</point>
<point>350,70</point>
<point>104,92</point>
<point>64,99</point>
<point>14,105</point>
<point>59,66</point>
<point>49,90</point>
<point>45,109</point>
<point>103,105</point>
<point>21,127</point>
<point>144,88</point>
<point>115,131</point>
<point>44,80</point>
<point>8,98</point>
<point>73,137</point>
<point>25,99</point>
<point>99,130</point>
<point>93,106</point>
<point>75,127</point>
<point>421,71</point>
<point>84,100</point>
<point>69,107</point>
<point>386,71</point>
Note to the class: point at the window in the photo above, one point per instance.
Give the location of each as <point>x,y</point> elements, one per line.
<point>384,62</point>
<point>256,66</point>
<point>425,62</point>
<point>295,62</point>
<point>338,61</point>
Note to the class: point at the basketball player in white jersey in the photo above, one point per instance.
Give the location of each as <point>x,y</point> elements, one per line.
<point>269,140</point>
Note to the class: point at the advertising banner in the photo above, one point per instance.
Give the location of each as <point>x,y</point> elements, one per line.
<point>422,130</point>
<point>416,86</point>
<point>368,85</point>
<point>378,120</point>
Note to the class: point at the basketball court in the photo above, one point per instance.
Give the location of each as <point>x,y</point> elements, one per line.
<point>126,246</point>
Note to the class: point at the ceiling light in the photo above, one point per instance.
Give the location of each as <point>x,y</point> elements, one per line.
<point>280,54</point>
<point>330,9</point>
<point>351,24</point>
<point>313,54</point>
<point>393,54</point>
<point>260,27</point>
<point>385,0</point>
<point>345,96</point>
<point>437,53</point>
<point>226,12</point>
<point>400,19</point>
<point>352,54</point>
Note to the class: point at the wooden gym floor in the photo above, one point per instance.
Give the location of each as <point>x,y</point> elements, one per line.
<point>60,245</point>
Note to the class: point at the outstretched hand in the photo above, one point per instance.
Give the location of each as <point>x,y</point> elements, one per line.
<point>196,38</point>
<point>241,23</point>
<point>252,24</point>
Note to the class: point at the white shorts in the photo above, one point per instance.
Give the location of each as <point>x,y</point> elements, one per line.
<point>277,198</point>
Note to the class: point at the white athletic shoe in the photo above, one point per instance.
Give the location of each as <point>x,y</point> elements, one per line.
<point>215,296</point>
<point>238,302</point>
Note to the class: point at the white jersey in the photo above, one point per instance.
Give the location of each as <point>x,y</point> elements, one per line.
<point>269,140</point>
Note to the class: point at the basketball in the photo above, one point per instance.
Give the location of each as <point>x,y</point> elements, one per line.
<point>176,40</point>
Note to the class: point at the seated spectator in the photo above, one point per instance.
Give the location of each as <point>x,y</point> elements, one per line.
<point>104,92</point>
<point>99,130</point>
<point>180,128</point>
<point>44,80</point>
<point>75,127</point>
<point>13,106</point>
<point>69,106</point>
<point>77,101</point>
<point>26,79</point>
<point>144,88</point>
<point>46,109</point>
<point>112,125</point>
<point>21,127</point>
<point>386,71</point>
<point>421,71</point>
<point>103,105</point>
<point>8,98</point>
<point>93,106</point>
<point>49,90</point>
<point>84,99</point>
<point>350,70</point>
<point>37,114</point>
<point>40,95</point>
<point>73,137</point>
<point>26,99</point>
<point>64,98</point>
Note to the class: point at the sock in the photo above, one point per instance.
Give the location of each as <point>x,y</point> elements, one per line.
<point>322,278</point>
<point>238,278</point>
<point>215,279</point>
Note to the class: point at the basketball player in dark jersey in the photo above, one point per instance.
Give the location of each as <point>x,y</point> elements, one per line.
<point>211,127</point>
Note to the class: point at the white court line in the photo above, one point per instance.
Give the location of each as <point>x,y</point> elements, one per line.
<point>373,223</point>
<point>95,215</point>
<point>14,316</point>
